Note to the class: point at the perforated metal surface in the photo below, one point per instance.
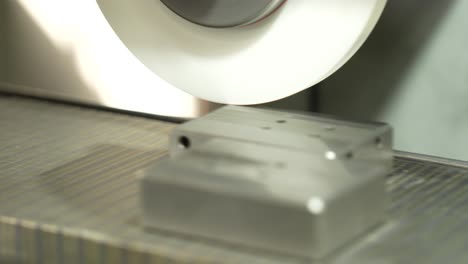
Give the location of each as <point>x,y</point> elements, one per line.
<point>68,194</point>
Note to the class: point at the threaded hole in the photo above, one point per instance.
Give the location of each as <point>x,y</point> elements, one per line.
<point>379,143</point>
<point>184,142</point>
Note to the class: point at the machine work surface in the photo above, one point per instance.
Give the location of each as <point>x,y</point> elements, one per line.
<point>69,194</point>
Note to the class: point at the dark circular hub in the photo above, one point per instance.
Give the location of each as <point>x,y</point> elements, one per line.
<point>223,13</point>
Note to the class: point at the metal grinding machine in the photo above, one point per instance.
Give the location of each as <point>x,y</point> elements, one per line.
<point>241,184</point>
<point>288,183</point>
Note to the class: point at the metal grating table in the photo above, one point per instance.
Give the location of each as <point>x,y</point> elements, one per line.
<point>68,194</point>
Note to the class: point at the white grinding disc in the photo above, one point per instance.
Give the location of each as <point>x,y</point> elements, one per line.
<point>300,45</point>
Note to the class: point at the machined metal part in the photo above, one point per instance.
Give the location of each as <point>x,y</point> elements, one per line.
<point>223,13</point>
<point>290,183</point>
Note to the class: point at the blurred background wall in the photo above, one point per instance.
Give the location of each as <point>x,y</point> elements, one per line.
<point>66,50</point>
<point>2,41</point>
<point>413,74</point>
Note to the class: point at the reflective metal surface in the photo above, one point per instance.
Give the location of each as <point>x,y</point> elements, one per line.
<point>292,183</point>
<point>50,50</point>
<point>69,194</point>
<point>223,13</point>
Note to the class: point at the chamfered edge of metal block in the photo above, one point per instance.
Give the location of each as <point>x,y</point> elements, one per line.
<point>298,132</point>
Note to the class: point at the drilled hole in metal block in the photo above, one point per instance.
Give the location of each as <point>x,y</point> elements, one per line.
<point>379,143</point>
<point>184,142</point>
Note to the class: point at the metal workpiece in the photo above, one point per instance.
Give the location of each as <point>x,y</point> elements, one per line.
<point>289,183</point>
<point>299,132</point>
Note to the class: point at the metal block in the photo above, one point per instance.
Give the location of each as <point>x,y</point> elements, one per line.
<point>295,184</point>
